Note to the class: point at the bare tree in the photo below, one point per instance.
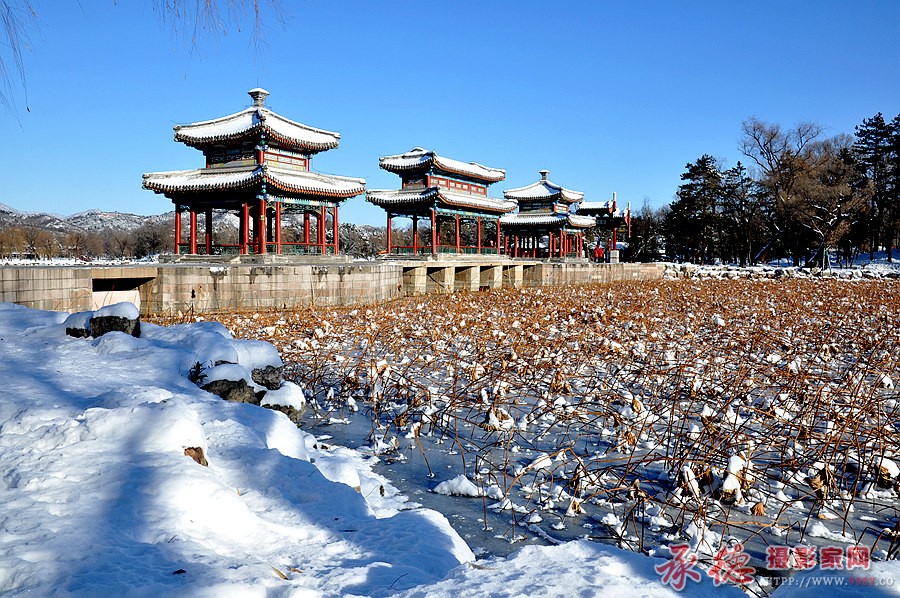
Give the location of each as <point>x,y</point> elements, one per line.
<point>831,195</point>
<point>11,241</point>
<point>17,18</point>
<point>191,19</point>
<point>75,242</point>
<point>782,158</point>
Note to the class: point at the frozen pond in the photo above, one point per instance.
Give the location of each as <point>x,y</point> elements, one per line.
<point>643,415</point>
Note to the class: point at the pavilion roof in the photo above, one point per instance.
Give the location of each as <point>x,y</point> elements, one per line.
<point>600,208</point>
<point>388,198</point>
<point>547,219</point>
<point>543,189</point>
<point>253,121</point>
<point>421,159</point>
<point>242,177</point>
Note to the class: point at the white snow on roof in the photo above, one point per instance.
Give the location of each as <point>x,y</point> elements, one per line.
<point>581,221</point>
<point>534,219</point>
<point>312,182</point>
<point>542,218</point>
<point>239,123</point>
<point>595,206</point>
<point>202,179</point>
<point>543,189</point>
<point>205,179</point>
<point>421,158</point>
<point>388,197</point>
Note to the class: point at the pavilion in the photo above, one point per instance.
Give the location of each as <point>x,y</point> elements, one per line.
<point>441,190</point>
<point>258,167</point>
<point>546,225</point>
<point>608,217</point>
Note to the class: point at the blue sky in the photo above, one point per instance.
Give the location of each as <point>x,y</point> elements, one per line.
<point>607,96</point>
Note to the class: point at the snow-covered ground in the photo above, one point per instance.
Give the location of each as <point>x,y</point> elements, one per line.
<point>99,498</point>
<point>862,268</point>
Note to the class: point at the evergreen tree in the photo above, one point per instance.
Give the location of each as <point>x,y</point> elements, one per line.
<point>872,150</point>
<point>744,229</point>
<point>892,187</point>
<point>693,223</point>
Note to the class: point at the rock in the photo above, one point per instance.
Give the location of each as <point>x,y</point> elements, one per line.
<point>78,325</point>
<point>196,453</point>
<point>269,376</point>
<point>119,317</point>
<point>100,325</point>
<point>295,415</point>
<point>237,391</point>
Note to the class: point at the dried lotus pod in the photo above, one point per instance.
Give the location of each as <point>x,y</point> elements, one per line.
<point>821,482</point>
<point>711,427</point>
<point>883,478</point>
<point>636,405</point>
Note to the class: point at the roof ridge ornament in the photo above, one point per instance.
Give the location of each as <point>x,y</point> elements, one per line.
<point>259,96</point>
<point>544,174</point>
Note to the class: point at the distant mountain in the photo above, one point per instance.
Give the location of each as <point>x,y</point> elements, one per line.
<point>95,221</point>
<point>91,221</point>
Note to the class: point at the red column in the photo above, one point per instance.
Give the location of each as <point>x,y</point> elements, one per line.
<point>245,227</point>
<point>209,231</point>
<point>389,224</point>
<point>177,229</point>
<point>415,235</point>
<point>193,231</point>
<point>434,231</point>
<point>497,224</point>
<point>277,227</point>
<point>457,234</point>
<point>261,225</point>
<point>306,227</point>
<point>323,222</point>
<point>336,230</point>
<point>478,226</point>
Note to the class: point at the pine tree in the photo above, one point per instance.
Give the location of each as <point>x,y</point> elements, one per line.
<point>873,153</point>
<point>743,223</point>
<point>693,223</point>
<point>892,187</point>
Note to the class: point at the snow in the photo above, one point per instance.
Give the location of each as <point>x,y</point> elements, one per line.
<point>99,497</point>
<point>563,570</point>
<point>459,486</point>
<point>121,310</point>
<point>289,395</point>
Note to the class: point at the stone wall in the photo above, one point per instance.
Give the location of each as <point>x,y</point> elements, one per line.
<point>52,288</point>
<point>203,288</point>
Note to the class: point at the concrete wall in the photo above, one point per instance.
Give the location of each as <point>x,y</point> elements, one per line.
<point>207,288</point>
